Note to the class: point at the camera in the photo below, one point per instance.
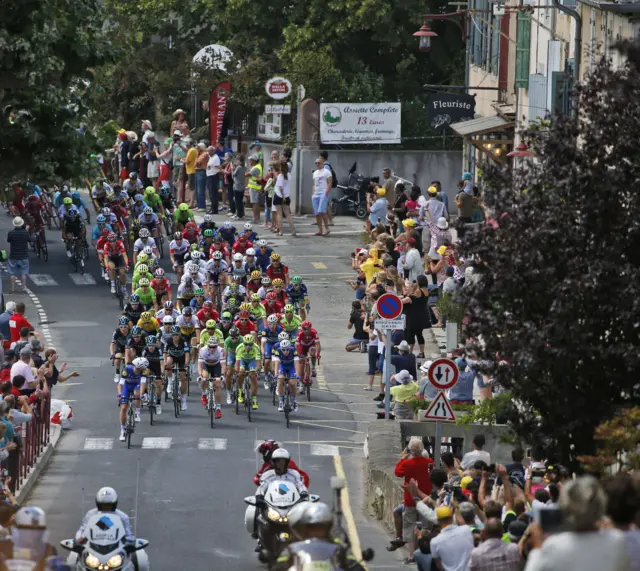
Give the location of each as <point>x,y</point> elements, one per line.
<point>446,487</point>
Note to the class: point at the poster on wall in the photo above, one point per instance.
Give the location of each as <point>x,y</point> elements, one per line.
<point>358,123</point>
<point>270,126</point>
<point>446,108</point>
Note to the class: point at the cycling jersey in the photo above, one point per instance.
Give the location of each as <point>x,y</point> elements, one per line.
<point>153,201</point>
<point>114,249</point>
<point>228,234</point>
<point>307,339</point>
<point>208,226</point>
<point>297,294</point>
<point>271,335</point>
<point>150,326</point>
<point>146,296</point>
<point>270,308</point>
<point>161,286</point>
<point>178,250</point>
<point>185,293</point>
<point>137,345</point>
<point>241,247</point>
<point>175,350</point>
<point>96,233</point>
<point>257,310</point>
<point>130,381</point>
<point>186,327</point>
<point>204,315</point>
<point>132,187</point>
<point>280,272</point>
<point>164,313</point>
<point>182,217</point>
<point>136,209</point>
<point>98,192</point>
<point>253,286</point>
<point>285,358</point>
<point>120,340</point>
<point>100,244</point>
<point>290,325</point>
<point>215,268</point>
<point>263,259</point>
<point>75,226</point>
<point>140,244</point>
<point>231,346</point>
<point>134,314</point>
<point>205,336</point>
<point>239,271</point>
<point>137,276</point>
<point>191,236</point>
<point>247,353</point>
<point>223,247</point>
<point>149,221</point>
<point>246,327</point>
<point>210,356</point>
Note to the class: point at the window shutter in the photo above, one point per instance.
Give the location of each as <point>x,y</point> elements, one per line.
<point>523,44</point>
<point>561,92</point>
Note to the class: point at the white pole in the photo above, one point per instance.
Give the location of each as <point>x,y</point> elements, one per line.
<point>387,372</point>
<point>298,208</point>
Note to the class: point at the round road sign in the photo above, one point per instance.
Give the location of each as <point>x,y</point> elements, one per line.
<point>443,374</point>
<point>389,306</point>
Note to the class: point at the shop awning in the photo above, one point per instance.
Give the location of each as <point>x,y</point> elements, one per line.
<point>480,126</point>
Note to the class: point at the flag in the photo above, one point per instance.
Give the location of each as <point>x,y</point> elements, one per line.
<point>217,107</point>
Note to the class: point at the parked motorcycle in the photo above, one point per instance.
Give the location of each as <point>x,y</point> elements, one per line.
<point>106,547</point>
<point>354,199</point>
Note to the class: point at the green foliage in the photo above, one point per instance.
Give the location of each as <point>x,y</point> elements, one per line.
<point>489,411</point>
<point>450,308</point>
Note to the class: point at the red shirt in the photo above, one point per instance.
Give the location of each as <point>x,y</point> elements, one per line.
<point>418,470</point>
<point>271,308</point>
<point>219,247</point>
<point>114,249</point>
<point>203,316</point>
<point>101,243</point>
<point>280,272</point>
<point>268,466</point>
<point>253,286</point>
<point>15,392</point>
<point>241,246</point>
<point>191,236</point>
<point>307,339</point>
<point>17,322</point>
<point>160,285</point>
<point>246,327</point>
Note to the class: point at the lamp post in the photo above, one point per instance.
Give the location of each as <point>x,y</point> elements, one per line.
<point>425,34</point>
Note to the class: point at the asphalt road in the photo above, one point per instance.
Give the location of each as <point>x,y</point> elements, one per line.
<point>182,482</point>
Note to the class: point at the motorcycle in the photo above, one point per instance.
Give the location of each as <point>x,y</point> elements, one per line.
<point>106,547</point>
<point>271,516</point>
<point>354,199</point>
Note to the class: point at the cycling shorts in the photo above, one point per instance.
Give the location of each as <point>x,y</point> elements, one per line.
<point>179,258</point>
<point>303,350</point>
<point>74,231</point>
<point>178,361</point>
<point>117,261</point>
<point>231,359</point>
<point>128,390</point>
<point>188,336</point>
<point>268,347</point>
<point>151,226</point>
<point>287,370</point>
<point>248,364</point>
<point>213,370</point>
<point>155,368</point>
<point>160,295</point>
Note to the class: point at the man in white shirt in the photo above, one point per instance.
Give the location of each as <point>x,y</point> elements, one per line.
<point>322,184</point>
<point>213,170</point>
<point>22,367</point>
<point>470,458</point>
<point>451,549</point>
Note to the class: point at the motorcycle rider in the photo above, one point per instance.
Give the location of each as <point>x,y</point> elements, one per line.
<point>267,448</point>
<point>28,540</point>
<point>106,502</point>
<point>281,459</point>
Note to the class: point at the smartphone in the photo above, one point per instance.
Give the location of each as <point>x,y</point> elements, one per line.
<point>537,477</point>
<point>550,520</point>
<point>419,525</point>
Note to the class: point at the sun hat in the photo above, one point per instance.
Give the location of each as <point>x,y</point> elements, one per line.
<point>381,191</point>
<point>444,512</point>
<point>403,346</point>
<point>409,222</point>
<point>432,190</point>
<point>467,176</point>
<point>177,112</point>
<point>147,123</point>
<point>442,223</point>
<point>18,222</point>
<point>403,377</point>
<point>425,366</point>
<point>254,158</point>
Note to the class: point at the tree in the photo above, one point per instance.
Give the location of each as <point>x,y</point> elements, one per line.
<point>558,299</point>
<point>49,49</point>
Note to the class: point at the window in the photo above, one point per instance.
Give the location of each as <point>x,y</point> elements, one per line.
<point>485,37</point>
<point>523,46</point>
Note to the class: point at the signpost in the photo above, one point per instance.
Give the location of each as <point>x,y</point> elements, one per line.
<point>443,374</point>
<point>278,109</point>
<point>389,308</point>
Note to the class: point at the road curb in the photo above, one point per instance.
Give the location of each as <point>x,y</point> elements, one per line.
<point>41,463</point>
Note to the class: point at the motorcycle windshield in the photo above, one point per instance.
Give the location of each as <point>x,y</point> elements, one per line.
<point>103,549</point>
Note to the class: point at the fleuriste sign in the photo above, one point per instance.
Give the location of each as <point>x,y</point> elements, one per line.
<point>446,108</point>
<point>357,123</point>
<point>278,88</point>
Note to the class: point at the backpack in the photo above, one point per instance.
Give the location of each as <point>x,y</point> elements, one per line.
<point>334,177</point>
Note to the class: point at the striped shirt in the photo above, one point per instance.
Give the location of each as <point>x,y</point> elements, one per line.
<point>18,239</point>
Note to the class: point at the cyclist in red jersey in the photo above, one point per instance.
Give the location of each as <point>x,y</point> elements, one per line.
<point>241,245</point>
<point>255,282</point>
<point>16,206</point>
<point>271,304</point>
<point>207,312</point>
<point>121,213</point>
<point>162,286</point>
<point>33,209</point>
<point>191,233</point>
<point>244,323</point>
<point>115,256</point>
<point>100,244</point>
<point>281,295</point>
<point>276,269</point>
<point>219,245</point>
<point>307,342</point>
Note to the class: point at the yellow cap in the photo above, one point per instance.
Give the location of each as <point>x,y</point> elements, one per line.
<point>444,512</point>
<point>442,250</point>
<point>381,191</point>
<point>465,482</point>
<point>409,222</point>
<point>121,131</point>
<point>432,190</point>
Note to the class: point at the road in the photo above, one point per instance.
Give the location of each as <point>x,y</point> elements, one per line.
<point>183,483</point>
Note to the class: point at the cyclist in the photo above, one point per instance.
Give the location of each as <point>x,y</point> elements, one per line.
<point>138,206</point>
<point>307,342</point>
<point>249,233</point>
<point>206,244</point>
<point>238,269</point>
<point>133,185</point>
<point>162,288</point>
<point>152,200</point>
<point>149,219</point>
<point>248,358</point>
<point>133,310</point>
<point>271,304</point>
<point>99,228</point>
<point>99,193</point>
<point>187,324</point>
<point>191,233</point>
<point>206,312</point>
<point>290,321</point>
<point>265,287</point>
<point>263,255</point>
<point>250,262</point>
<point>241,245</point>
<point>279,291</point>
<point>148,323</point>
<point>74,231</point>
<point>219,245</point>
<point>228,233</point>
<point>181,216</point>
<point>168,310</point>
<point>208,224</point>
<point>286,358</point>
<point>135,344</point>
<point>177,250</point>
<point>63,211</point>
<point>277,269</point>
<point>33,210</point>
<point>210,330</point>
<point>196,258</point>
<point>230,347</point>
<point>131,384</point>
<point>186,292</point>
<point>81,206</point>
<point>197,277</point>
<point>142,271</point>
<point>168,202</point>
<point>145,293</point>
<point>144,240</point>
<point>176,352</point>
<point>269,339</point>
<point>216,275</point>
<point>153,355</point>
<point>255,281</point>
<point>232,306</point>
<point>115,257</point>
<point>167,325</point>
<point>257,312</point>
<point>209,365</point>
<point>244,323</point>
<point>118,345</point>
<point>298,296</point>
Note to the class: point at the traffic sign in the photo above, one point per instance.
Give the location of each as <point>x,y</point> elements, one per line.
<point>440,410</point>
<point>389,306</point>
<point>443,374</point>
<point>391,324</point>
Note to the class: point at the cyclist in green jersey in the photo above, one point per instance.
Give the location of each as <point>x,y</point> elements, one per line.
<point>258,312</point>
<point>248,358</point>
<point>146,294</point>
<point>142,271</point>
<point>290,321</point>
<point>182,215</point>
<point>154,201</point>
<point>211,330</point>
<point>230,347</point>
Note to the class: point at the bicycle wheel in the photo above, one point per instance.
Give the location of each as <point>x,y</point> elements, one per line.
<point>211,404</point>
<point>45,250</point>
<point>176,395</point>
<point>308,390</point>
<point>152,400</point>
<point>247,401</point>
<point>287,405</point>
<point>160,246</point>
<point>165,388</point>
<point>120,296</point>
<point>274,389</point>
<point>131,422</point>
<point>234,388</point>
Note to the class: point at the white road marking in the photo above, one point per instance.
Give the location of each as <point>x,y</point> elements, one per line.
<point>43,280</point>
<point>82,279</point>
<point>156,442</point>
<point>325,450</point>
<point>212,444</point>
<point>98,443</point>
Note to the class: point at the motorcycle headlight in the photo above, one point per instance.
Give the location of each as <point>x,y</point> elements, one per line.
<point>273,515</point>
<point>115,561</point>
<point>92,561</point>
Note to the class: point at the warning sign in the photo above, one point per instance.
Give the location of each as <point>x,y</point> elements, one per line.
<point>440,410</point>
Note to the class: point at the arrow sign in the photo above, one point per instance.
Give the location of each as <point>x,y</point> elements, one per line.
<point>440,410</point>
<point>443,374</point>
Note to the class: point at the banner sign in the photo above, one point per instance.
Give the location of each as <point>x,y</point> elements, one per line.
<point>217,107</point>
<point>446,108</point>
<point>357,123</point>
<point>278,109</point>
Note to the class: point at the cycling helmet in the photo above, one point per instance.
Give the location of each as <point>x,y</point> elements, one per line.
<point>248,339</point>
<point>283,336</point>
<point>296,280</point>
<point>147,211</point>
<point>144,282</point>
<point>143,258</point>
<point>73,212</point>
<point>227,225</point>
<point>272,296</point>
<point>105,233</point>
<point>208,218</point>
<point>159,273</point>
<point>187,281</point>
<point>238,257</point>
<point>151,340</point>
<point>212,342</point>
<point>277,282</point>
<point>75,195</point>
<point>149,190</point>
<point>210,324</point>
<point>250,252</point>
<point>145,316</point>
<point>106,500</point>
<point>234,332</point>
<point>168,304</point>
<point>143,268</point>
<point>255,274</point>
<point>184,207</point>
<point>187,310</point>
<point>267,448</point>
<point>272,319</point>
<point>177,236</point>
<point>208,233</point>
<point>67,200</point>
<point>148,250</point>
<point>217,240</point>
<point>244,314</point>
<point>136,331</point>
<point>217,255</point>
<point>236,278</point>
<point>133,175</point>
<point>124,321</point>
<point>140,363</point>
<point>193,247</point>
<point>100,219</point>
<point>262,243</point>
<point>248,226</point>
<point>135,298</point>
<point>196,255</point>
<point>194,268</point>
<point>168,320</point>
<point>226,317</point>
<point>175,330</point>
<point>285,344</point>
<point>138,198</point>
<point>198,292</point>
<point>316,514</point>
<point>275,257</point>
<point>144,233</point>
<point>306,324</point>
<point>208,304</point>
<point>288,308</point>
<point>255,297</point>
<point>266,281</point>
<point>232,302</point>
<point>191,226</point>
<point>245,307</point>
<point>106,211</point>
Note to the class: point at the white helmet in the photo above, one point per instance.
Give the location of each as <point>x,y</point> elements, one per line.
<point>208,218</point>
<point>285,344</point>
<point>140,363</point>
<point>167,320</point>
<point>283,336</point>
<point>238,257</point>
<point>262,244</point>
<point>194,268</point>
<point>106,499</point>
<point>148,250</point>
<point>217,255</point>
<point>248,226</point>
<point>195,255</point>
<point>272,319</point>
<point>31,517</point>
<point>280,454</point>
<point>251,252</point>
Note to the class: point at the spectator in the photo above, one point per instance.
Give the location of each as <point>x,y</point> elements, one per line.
<point>22,341</point>
<point>410,264</point>
<point>400,204</point>
<point>468,515</point>
<point>388,184</point>
<point>52,375</point>
<point>360,336</point>
<point>441,194</point>
<point>201,163</point>
<point>476,454</point>
<point>9,359</point>
<point>282,199</point>
<point>179,123</point>
<point>324,155</point>
<point>450,285</point>
<point>18,417</point>
<point>405,359</point>
<point>18,239</point>
<point>190,170</point>
<point>254,184</point>
<point>462,392</point>
<point>452,548</point>
<point>36,349</point>
<point>5,318</point>
<point>417,312</point>
<point>440,234</point>
<point>378,210</point>
<point>516,469</point>
<point>412,466</point>
<point>449,465</point>
<point>18,321</point>
<point>239,175</point>
<point>584,546</point>
<point>427,390</point>
<point>10,434</point>
<point>405,389</point>
<point>465,201</point>
<point>623,506</point>
<point>493,553</point>
<point>23,367</point>
<point>225,182</point>
<point>6,389</point>
<point>373,353</point>
<point>322,184</point>
<point>434,209</point>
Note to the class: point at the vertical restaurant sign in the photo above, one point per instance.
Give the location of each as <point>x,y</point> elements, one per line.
<point>446,108</point>
<point>360,123</point>
<point>217,107</point>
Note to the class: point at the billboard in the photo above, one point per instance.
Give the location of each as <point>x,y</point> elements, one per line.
<point>360,123</point>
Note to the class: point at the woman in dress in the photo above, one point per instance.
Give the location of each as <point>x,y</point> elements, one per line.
<point>418,317</point>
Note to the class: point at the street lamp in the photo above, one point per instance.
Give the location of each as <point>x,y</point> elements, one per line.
<point>425,34</point>
<point>522,150</point>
